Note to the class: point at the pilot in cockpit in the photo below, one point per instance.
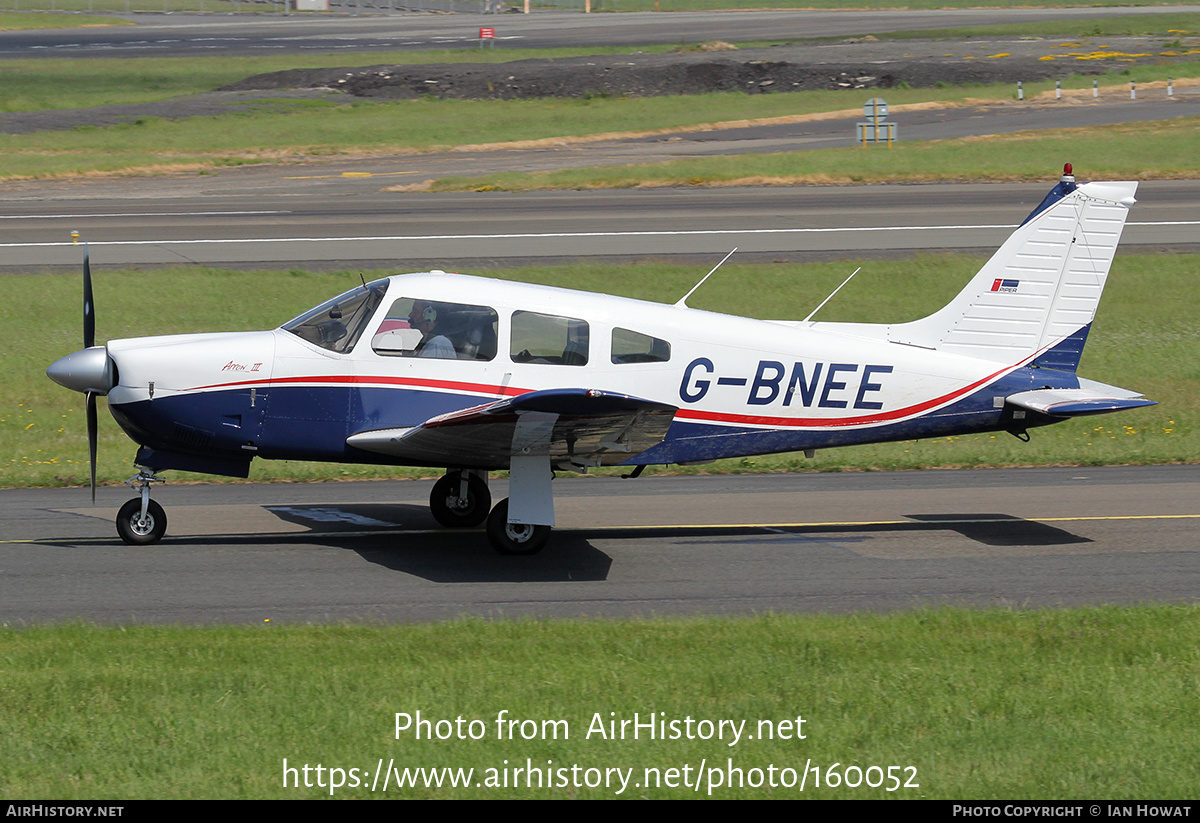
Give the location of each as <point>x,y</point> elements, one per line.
<point>424,318</point>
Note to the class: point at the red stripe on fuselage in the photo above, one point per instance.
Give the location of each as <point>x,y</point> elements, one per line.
<point>350,379</point>
<point>682,414</point>
<point>826,422</point>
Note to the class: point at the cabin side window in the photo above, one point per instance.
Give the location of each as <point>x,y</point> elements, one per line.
<point>414,327</point>
<point>547,338</point>
<point>634,347</point>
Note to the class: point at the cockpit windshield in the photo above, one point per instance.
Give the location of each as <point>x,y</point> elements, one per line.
<point>337,324</point>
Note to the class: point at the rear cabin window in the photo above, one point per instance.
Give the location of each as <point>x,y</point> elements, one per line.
<point>634,347</point>
<point>414,327</point>
<point>547,338</point>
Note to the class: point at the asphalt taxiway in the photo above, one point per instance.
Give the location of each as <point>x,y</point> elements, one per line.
<point>731,544</point>
<point>471,232</point>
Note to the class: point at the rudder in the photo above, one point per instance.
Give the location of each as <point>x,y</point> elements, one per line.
<point>1037,295</point>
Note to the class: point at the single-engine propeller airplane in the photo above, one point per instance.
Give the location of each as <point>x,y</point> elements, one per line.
<point>476,375</point>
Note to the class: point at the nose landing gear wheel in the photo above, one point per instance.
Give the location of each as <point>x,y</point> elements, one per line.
<point>514,538</point>
<point>458,513</point>
<point>137,531</point>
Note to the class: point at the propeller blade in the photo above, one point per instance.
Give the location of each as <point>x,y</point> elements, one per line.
<point>92,436</point>
<point>89,315</point>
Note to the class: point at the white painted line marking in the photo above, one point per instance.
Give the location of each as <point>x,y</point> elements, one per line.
<point>86,216</point>
<point>517,236</point>
<point>544,235</point>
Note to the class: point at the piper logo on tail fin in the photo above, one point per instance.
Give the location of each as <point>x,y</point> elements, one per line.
<point>1002,285</point>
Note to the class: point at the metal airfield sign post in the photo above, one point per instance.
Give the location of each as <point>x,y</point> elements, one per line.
<point>876,128</point>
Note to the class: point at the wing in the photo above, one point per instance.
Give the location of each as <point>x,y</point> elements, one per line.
<point>1090,398</point>
<point>576,428</point>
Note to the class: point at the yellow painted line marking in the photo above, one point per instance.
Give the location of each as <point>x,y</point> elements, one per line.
<point>923,524</point>
<point>354,174</point>
<point>1120,517</point>
<point>906,522</point>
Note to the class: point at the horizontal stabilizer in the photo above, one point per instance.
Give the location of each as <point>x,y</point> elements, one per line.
<point>1089,398</point>
<point>574,427</point>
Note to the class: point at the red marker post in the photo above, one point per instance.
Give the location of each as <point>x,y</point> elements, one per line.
<point>487,34</point>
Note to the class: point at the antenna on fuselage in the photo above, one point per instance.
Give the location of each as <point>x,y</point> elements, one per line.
<point>830,297</point>
<point>682,304</point>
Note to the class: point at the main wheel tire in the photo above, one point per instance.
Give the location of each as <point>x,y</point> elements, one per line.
<point>514,538</point>
<point>454,513</point>
<point>138,532</point>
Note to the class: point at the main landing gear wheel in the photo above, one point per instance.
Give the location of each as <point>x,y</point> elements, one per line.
<point>138,531</point>
<point>456,512</point>
<point>514,538</point>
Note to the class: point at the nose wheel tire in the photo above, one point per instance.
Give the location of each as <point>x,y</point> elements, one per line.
<point>514,538</point>
<point>458,513</point>
<point>138,531</point>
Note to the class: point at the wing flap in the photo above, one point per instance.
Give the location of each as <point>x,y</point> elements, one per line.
<point>573,427</point>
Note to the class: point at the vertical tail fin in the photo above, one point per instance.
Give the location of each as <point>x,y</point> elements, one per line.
<point>1038,294</point>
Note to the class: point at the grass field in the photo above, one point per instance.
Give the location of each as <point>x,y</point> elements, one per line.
<point>1175,24</point>
<point>49,83</point>
<point>17,21</point>
<point>284,130</point>
<point>1081,703</point>
<point>1139,341</point>
<point>42,84</point>
<point>1138,151</point>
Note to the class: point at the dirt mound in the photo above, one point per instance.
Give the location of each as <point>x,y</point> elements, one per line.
<point>757,71</point>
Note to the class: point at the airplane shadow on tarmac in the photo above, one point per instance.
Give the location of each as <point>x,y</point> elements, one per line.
<point>406,539</point>
<point>1001,529</point>
<point>425,549</point>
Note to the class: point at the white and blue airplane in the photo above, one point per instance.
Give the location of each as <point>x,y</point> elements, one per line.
<point>475,375</point>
